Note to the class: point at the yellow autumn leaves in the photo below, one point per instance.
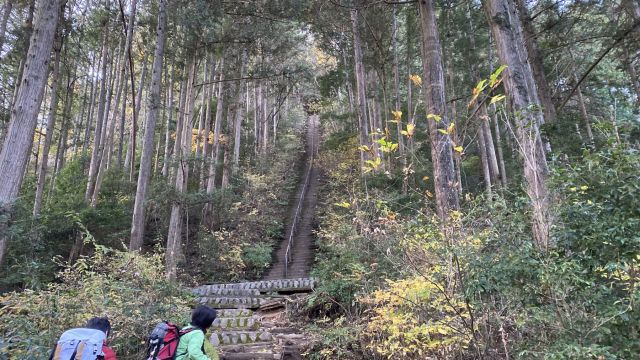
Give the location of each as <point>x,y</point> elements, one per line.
<point>411,318</point>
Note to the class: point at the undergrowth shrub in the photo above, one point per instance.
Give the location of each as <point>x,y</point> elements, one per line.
<point>128,288</point>
<point>397,284</point>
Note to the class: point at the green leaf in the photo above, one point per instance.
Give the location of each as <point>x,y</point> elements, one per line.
<point>496,98</point>
<point>493,79</point>
<point>436,118</point>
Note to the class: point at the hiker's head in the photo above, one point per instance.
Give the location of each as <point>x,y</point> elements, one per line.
<point>99,323</point>
<point>203,317</point>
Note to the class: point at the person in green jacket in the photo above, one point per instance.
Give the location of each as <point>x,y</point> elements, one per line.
<point>192,342</point>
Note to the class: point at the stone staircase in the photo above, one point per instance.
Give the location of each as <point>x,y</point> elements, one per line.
<point>252,318</point>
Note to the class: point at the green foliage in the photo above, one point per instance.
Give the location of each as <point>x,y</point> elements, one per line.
<point>339,340</point>
<point>257,258</point>
<point>129,289</point>
<point>35,241</point>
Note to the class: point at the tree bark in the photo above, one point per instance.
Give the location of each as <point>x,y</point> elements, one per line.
<point>92,103</point>
<point>130,157</point>
<point>77,127</point>
<point>441,148</point>
<point>500,155</point>
<point>183,142</point>
<point>215,149</point>
<point>519,84</point>
<point>121,127</point>
<point>51,121</point>
<point>64,134</point>
<point>207,128</point>
<point>491,149</point>
<point>137,228</point>
<point>96,154</point>
<point>28,33</point>
<point>633,75</point>
<point>482,151</point>
<point>167,136</point>
<point>361,87</point>
<point>6,11</point>
<point>107,134</point>
<point>238,120</point>
<point>24,114</point>
<point>535,60</point>
<point>396,86</point>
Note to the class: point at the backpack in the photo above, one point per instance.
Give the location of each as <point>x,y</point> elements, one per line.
<point>80,344</point>
<point>163,341</point>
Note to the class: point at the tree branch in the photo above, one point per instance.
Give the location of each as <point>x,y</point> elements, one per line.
<point>618,40</point>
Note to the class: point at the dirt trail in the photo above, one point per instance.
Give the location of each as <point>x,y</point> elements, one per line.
<point>302,250</point>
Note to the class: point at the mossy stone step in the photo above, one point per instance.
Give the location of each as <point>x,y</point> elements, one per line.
<point>299,284</point>
<point>251,356</point>
<point>244,323</point>
<point>211,292</point>
<point>227,313</point>
<point>240,302</point>
<point>220,338</point>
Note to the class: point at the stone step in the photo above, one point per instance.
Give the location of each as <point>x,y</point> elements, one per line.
<point>228,313</point>
<point>256,347</point>
<point>258,350</point>
<point>211,292</point>
<point>251,356</point>
<point>298,284</point>
<point>235,323</point>
<point>240,302</point>
<point>220,338</point>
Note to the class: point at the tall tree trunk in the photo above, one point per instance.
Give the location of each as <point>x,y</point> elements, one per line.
<point>361,87</point>
<point>484,160</point>
<point>92,103</point>
<point>6,11</point>
<point>121,127</point>
<point>520,87</point>
<point>207,128</point>
<point>24,114</point>
<point>78,123</point>
<point>199,136</point>
<point>491,149</point>
<point>183,141</point>
<point>130,158</point>
<point>633,75</point>
<point>167,137</point>
<point>117,113</point>
<point>441,149</point>
<point>132,17</point>
<point>96,153</point>
<point>535,60</point>
<point>238,120</point>
<point>61,152</point>
<point>352,106</point>
<point>51,121</point>
<point>409,153</point>
<point>500,155</point>
<point>264,122</point>
<point>215,149</point>
<point>28,33</point>
<point>204,119</point>
<point>137,228</point>
<point>227,145</point>
<point>108,128</point>
<point>396,86</point>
